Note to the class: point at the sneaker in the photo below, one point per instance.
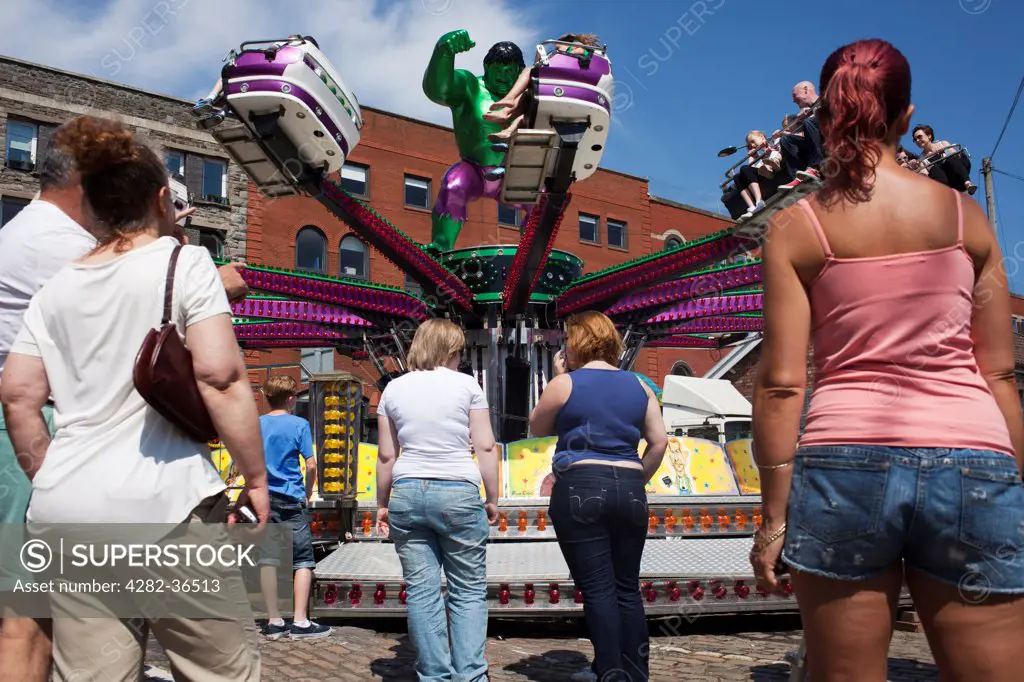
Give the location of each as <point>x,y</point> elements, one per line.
<point>274,632</point>
<point>748,215</point>
<point>758,206</point>
<point>585,675</point>
<point>809,174</point>
<point>790,185</point>
<point>311,631</point>
<point>971,188</point>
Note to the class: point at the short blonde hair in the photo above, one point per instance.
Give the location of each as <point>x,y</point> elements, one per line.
<point>756,135</point>
<point>279,389</point>
<point>592,336</point>
<point>435,343</point>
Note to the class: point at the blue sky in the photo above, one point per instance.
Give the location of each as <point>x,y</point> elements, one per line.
<point>686,85</point>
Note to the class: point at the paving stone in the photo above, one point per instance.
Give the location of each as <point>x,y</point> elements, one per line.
<point>728,654</point>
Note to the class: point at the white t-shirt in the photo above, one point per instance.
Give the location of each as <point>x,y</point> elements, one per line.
<point>34,246</point>
<point>430,413</point>
<point>113,458</point>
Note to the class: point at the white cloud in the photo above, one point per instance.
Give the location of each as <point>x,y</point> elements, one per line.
<point>176,46</point>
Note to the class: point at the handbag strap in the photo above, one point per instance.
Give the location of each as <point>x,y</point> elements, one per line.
<point>169,285</point>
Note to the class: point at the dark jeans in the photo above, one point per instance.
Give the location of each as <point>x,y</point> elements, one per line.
<point>953,171</point>
<point>802,151</point>
<point>600,517</point>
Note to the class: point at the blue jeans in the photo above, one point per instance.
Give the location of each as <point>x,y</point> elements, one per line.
<point>954,515</point>
<point>600,517</point>
<point>437,524</point>
<point>285,509</point>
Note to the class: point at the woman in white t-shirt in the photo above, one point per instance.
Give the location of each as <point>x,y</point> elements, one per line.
<point>113,459</point>
<point>428,500</point>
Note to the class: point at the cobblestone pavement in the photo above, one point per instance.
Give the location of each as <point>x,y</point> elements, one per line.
<point>750,649</point>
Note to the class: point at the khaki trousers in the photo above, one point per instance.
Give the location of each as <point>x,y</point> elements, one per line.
<point>114,649</point>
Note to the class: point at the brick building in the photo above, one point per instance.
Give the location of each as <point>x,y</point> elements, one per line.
<point>397,167</point>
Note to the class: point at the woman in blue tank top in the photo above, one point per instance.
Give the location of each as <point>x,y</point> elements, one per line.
<point>599,504</point>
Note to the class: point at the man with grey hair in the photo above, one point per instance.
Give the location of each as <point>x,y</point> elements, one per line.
<point>801,149</point>
<point>48,234</point>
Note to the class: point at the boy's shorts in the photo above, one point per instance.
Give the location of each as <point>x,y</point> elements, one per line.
<point>289,510</point>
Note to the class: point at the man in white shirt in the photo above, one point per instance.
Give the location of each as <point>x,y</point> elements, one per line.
<point>45,236</point>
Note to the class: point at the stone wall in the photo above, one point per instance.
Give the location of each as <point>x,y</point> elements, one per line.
<point>49,97</point>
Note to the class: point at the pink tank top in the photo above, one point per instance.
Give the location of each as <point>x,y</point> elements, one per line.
<point>893,358</point>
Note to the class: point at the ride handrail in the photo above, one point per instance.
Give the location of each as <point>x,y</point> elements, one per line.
<point>761,151</point>
<point>934,158</point>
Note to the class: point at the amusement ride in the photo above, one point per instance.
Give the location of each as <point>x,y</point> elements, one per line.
<point>285,115</point>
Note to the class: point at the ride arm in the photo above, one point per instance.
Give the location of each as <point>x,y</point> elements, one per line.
<point>782,372</point>
<point>442,83</point>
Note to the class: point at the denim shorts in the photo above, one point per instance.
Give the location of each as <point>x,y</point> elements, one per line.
<point>955,515</point>
<point>287,510</point>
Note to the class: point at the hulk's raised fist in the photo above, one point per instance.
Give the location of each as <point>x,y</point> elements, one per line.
<point>457,41</point>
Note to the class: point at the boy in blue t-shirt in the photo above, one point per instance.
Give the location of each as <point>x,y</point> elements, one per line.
<point>287,441</point>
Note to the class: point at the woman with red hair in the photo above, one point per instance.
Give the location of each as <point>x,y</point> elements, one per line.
<point>909,465</point>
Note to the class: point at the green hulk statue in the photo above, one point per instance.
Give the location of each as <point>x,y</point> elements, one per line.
<point>469,97</point>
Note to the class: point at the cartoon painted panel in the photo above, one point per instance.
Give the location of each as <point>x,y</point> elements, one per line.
<point>366,476</point>
<point>693,466</point>
<point>528,465</point>
<point>741,452</point>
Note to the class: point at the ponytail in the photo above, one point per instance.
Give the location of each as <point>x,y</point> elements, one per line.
<point>865,88</point>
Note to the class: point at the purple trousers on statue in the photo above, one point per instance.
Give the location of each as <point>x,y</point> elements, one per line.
<point>464,182</point>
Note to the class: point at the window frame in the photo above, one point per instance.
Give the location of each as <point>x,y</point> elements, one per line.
<point>223,179</point>
<point>366,183</point>
<point>33,144</point>
<point>5,200</point>
<point>597,228</point>
<point>177,154</point>
<point>405,186</point>
<point>412,287</point>
<point>519,213</point>
<point>624,246</point>
<point>672,241</point>
<point>218,235</point>
<point>366,257</point>
<point>324,255</point>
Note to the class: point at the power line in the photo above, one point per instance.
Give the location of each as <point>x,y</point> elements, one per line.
<point>1009,175</point>
<point>1013,108</point>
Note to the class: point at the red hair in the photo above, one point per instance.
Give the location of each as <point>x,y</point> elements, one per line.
<point>865,87</point>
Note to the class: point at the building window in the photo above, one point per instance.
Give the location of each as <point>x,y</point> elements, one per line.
<point>681,369</point>
<point>355,259</point>
<point>175,163</point>
<point>617,234</point>
<point>509,216</point>
<point>417,192</point>
<point>311,250</point>
<point>588,228</point>
<point>22,138</point>
<point>412,286</point>
<point>215,181</point>
<point>355,179</point>
<point>212,241</point>
<point>672,242</point>
<point>10,207</point>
